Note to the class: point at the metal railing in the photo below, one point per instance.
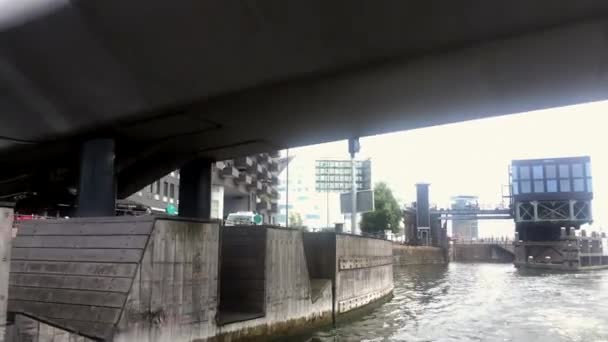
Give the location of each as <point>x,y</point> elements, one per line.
<point>490,241</point>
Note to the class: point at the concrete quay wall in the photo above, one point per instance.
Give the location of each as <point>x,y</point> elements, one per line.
<point>292,301</point>
<point>364,271</point>
<point>6,226</point>
<point>480,253</point>
<point>418,255</point>
<point>170,279</point>
<point>361,268</point>
<point>118,278</point>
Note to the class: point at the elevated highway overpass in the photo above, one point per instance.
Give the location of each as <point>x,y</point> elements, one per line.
<point>171,82</point>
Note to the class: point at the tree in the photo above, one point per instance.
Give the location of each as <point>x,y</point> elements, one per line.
<point>295,220</point>
<point>386,215</point>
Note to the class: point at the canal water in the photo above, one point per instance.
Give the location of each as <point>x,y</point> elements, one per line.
<point>485,302</point>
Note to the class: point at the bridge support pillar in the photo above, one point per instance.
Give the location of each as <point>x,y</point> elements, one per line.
<point>97,186</point>
<point>6,228</point>
<point>195,189</point>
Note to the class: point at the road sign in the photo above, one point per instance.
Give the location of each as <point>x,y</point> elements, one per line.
<point>334,175</point>
<point>365,201</point>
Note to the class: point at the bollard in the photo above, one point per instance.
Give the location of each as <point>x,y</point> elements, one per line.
<point>6,233</point>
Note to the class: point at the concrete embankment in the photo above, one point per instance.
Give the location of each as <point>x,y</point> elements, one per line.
<point>6,225</point>
<point>360,268</point>
<point>167,279</point>
<point>480,253</point>
<point>418,255</point>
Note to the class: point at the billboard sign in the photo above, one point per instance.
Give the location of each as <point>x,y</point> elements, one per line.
<point>365,201</point>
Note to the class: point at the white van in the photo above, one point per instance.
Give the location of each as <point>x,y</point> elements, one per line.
<point>240,218</point>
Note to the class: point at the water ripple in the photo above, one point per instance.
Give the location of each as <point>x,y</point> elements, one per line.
<point>485,302</point>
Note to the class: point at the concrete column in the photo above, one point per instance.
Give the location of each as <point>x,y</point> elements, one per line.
<point>6,234</point>
<point>97,188</point>
<point>195,189</point>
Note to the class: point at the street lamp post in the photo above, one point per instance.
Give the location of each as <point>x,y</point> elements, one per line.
<point>353,148</point>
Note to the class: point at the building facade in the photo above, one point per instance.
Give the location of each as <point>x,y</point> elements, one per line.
<point>243,184</point>
<point>465,229</point>
<point>311,191</point>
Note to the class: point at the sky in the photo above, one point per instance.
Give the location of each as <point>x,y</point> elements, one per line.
<point>472,157</point>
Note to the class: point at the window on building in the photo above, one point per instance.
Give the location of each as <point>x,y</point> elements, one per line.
<point>579,184</point>
<point>564,171</point>
<point>515,188</point>
<point>588,169</point>
<point>151,188</point>
<point>550,171</point>
<point>589,185</point>
<point>165,188</point>
<point>537,172</point>
<point>539,186</point>
<point>577,170</point>
<point>515,173</point>
<point>551,176</point>
<point>526,187</point>
<point>524,172</point>
<point>158,187</point>
<point>172,191</point>
<point>564,185</point>
<point>551,185</point>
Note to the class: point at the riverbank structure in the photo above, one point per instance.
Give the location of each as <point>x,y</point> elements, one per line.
<point>551,199</point>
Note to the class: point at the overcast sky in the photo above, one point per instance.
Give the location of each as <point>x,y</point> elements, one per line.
<point>472,158</point>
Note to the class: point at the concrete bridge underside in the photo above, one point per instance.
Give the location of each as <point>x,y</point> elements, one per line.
<point>218,79</point>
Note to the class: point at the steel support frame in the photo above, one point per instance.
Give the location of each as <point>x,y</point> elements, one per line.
<point>553,211</point>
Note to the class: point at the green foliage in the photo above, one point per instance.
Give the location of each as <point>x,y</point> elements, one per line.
<point>387,214</point>
<point>295,220</point>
